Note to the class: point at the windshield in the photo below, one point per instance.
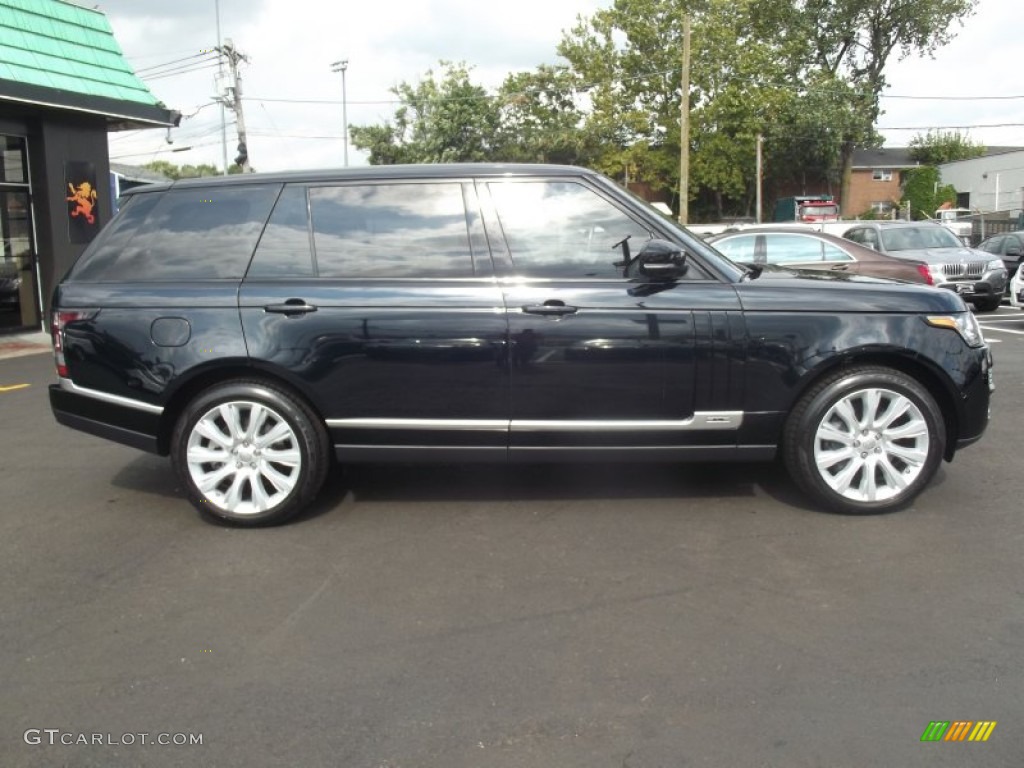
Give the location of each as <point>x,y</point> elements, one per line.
<point>828,209</point>
<point>915,238</point>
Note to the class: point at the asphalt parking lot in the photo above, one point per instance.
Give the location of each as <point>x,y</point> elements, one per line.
<point>476,616</point>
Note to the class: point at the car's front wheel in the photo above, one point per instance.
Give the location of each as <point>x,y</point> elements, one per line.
<point>864,440</point>
<point>249,453</point>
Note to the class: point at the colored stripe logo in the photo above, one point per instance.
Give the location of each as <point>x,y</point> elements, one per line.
<point>958,730</point>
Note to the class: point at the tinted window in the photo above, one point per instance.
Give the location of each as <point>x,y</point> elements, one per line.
<point>866,237</point>
<point>835,253</point>
<point>992,245</point>
<point>911,238</point>
<point>284,248</point>
<point>563,229</point>
<point>184,234</point>
<point>784,248</point>
<point>391,230</point>
<point>740,248</point>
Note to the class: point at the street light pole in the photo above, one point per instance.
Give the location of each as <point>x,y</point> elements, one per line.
<point>342,66</point>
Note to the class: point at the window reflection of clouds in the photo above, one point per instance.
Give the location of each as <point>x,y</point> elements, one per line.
<point>283,250</point>
<point>220,224</point>
<point>391,230</point>
<point>563,229</point>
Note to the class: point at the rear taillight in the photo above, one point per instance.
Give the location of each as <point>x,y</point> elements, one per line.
<point>61,320</point>
<point>923,271</point>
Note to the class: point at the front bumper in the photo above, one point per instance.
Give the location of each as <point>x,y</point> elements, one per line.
<point>991,285</point>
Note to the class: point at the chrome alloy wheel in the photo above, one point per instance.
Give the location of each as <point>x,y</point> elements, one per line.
<point>244,457</point>
<point>871,445</point>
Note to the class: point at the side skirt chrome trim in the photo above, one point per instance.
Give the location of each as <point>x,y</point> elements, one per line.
<point>459,425</point>
<point>701,420</point>
<point>70,386</point>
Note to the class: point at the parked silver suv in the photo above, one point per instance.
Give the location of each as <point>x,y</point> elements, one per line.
<point>977,276</point>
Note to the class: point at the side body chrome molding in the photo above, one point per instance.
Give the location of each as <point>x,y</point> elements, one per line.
<point>701,420</point>
<point>69,386</point>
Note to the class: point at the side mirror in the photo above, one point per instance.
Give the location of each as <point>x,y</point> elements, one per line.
<point>661,260</point>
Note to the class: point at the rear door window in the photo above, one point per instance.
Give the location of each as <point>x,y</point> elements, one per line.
<point>400,230</point>
<point>193,233</point>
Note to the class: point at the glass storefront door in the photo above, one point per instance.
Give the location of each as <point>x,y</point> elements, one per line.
<point>19,303</point>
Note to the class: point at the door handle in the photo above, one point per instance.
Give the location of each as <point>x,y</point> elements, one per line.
<point>840,267</point>
<point>549,309</point>
<point>290,307</point>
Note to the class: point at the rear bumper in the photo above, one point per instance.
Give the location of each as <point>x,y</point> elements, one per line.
<point>120,420</point>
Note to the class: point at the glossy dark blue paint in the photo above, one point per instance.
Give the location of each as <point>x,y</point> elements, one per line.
<point>503,348</point>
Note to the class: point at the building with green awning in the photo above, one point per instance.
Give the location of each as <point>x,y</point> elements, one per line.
<point>64,84</point>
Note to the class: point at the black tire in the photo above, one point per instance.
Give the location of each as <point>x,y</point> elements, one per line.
<point>988,305</point>
<point>897,467</point>
<point>279,448</point>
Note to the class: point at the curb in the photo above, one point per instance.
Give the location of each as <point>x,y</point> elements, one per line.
<point>22,344</point>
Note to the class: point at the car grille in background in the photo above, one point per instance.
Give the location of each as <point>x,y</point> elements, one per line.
<point>971,271</point>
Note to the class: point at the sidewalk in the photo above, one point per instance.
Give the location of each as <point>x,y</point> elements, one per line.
<point>20,344</point>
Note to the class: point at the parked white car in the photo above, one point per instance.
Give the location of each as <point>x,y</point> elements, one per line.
<point>1017,290</point>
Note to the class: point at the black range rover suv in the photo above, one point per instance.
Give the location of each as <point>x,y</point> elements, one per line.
<point>259,328</point>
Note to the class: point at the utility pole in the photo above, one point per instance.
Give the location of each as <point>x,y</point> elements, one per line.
<point>760,176</point>
<point>684,128</point>
<point>234,102</point>
<point>220,93</point>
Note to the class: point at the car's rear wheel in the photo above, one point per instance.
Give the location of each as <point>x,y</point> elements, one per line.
<point>249,453</point>
<point>865,440</point>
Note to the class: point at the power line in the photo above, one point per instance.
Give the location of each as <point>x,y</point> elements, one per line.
<point>176,62</point>
<point>947,127</point>
<point>951,98</point>
<point>197,67</point>
<point>164,151</point>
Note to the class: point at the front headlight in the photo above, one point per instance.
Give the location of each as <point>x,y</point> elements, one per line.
<point>964,323</point>
<point>995,264</point>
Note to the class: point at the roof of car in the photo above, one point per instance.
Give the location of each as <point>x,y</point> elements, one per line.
<point>776,229</point>
<point>424,171</point>
<point>894,224</point>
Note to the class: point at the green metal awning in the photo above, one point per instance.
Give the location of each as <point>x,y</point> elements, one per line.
<point>57,54</point>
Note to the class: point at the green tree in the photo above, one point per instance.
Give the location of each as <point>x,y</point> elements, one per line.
<point>172,171</point>
<point>540,121</point>
<point>938,147</point>
<point>853,41</point>
<point>923,189</point>
<point>629,55</point>
<point>808,73</point>
<point>442,119</point>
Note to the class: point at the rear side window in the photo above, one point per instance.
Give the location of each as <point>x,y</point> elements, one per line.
<point>740,248</point>
<point>183,234</point>
<point>391,230</point>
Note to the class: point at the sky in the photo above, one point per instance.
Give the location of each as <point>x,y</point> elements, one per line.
<point>291,45</point>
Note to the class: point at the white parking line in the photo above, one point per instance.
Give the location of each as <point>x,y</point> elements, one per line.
<point>1000,330</point>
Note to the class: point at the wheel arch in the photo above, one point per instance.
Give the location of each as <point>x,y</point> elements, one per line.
<point>931,377</point>
<point>203,379</point>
